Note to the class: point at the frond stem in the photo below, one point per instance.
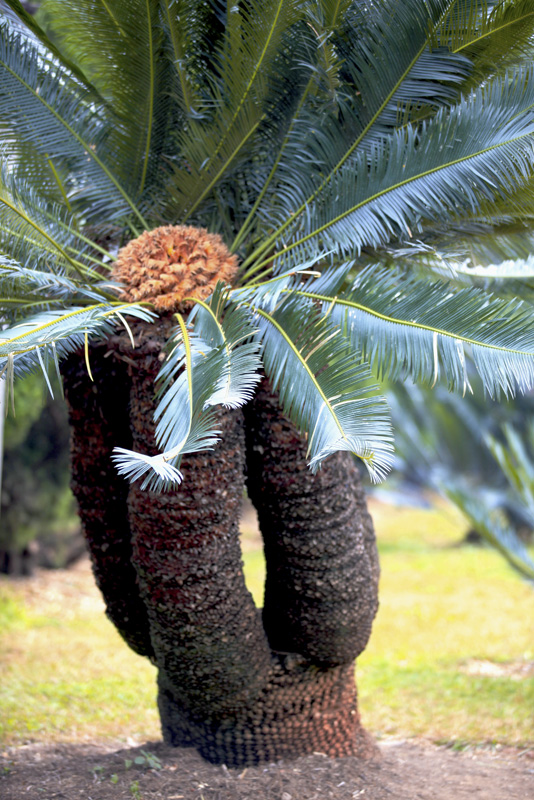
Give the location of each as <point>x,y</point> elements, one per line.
<point>178,58</point>
<point>248,86</point>
<point>150,112</point>
<point>113,17</point>
<point>302,360</point>
<point>493,31</point>
<point>404,322</point>
<point>85,239</point>
<point>246,225</point>
<point>221,172</point>
<point>59,183</point>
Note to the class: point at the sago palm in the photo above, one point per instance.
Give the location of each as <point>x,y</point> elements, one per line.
<point>218,221</point>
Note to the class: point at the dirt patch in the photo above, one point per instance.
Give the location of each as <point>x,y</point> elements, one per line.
<point>405,771</point>
<point>515,670</point>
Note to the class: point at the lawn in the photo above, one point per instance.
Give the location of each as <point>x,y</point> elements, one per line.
<point>451,658</point>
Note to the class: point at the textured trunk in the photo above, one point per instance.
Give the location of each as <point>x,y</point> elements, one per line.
<point>239,687</point>
<point>99,421</point>
<point>322,565</point>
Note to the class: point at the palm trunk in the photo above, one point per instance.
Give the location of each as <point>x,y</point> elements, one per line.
<point>99,421</point>
<point>322,565</point>
<point>238,687</point>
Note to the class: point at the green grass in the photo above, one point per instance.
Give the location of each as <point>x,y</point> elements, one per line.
<point>73,678</point>
<point>442,607</point>
<point>67,675</point>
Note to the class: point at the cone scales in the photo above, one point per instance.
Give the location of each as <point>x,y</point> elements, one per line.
<point>168,264</point>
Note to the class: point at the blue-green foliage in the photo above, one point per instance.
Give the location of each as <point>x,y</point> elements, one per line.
<point>327,142</point>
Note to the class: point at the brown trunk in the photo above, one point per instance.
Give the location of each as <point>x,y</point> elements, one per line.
<point>99,421</point>
<point>302,709</point>
<point>205,628</point>
<point>238,690</point>
<point>322,565</point>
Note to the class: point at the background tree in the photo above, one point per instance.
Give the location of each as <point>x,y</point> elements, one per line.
<point>318,143</point>
<point>37,509</point>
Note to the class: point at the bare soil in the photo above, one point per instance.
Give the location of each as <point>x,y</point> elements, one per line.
<point>405,771</point>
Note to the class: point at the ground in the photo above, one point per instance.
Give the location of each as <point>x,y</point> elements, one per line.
<point>59,759</point>
<point>404,771</point>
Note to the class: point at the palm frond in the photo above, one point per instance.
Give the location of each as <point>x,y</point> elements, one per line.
<point>41,103</point>
<point>31,26</point>
<point>435,81</point>
<point>191,30</point>
<point>494,35</point>
<point>516,464</point>
<point>185,417</point>
<point>316,85</point>
<point>322,389</point>
<point>493,527</point>
<point>29,290</point>
<point>476,152</point>
<point>228,328</point>
<point>239,98</point>
<point>392,58</point>
<point>50,335</point>
<point>409,328</point>
<point>380,43</point>
<point>158,473</point>
<point>129,36</point>
<point>36,232</point>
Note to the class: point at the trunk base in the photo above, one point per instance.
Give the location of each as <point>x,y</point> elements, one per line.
<point>301,710</point>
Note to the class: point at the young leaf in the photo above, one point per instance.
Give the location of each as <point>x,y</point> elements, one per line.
<point>187,381</point>
<point>228,328</point>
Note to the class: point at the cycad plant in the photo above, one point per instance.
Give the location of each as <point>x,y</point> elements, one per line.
<point>218,221</point>
<point>459,447</point>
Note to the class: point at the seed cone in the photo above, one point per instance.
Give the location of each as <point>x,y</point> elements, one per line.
<point>168,264</point>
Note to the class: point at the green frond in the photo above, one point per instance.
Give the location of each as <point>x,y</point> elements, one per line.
<point>472,154</point>
<point>493,527</point>
<point>516,464</point>
<point>494,35</point>
<point>26,290</point>
<point>322,388</point>
<point>42,104</point>
<point>190,29</point>
<point>44,339</point>
<point>228,328</point>
<point>239,97</point>
<point>128,36</point>
<point>380,43</point>
<point>392,57</point>
<point>32,27</point>
<point>435,81</point>
<point>408,328</point>
<point>31,232</point>
<point>141,87</point>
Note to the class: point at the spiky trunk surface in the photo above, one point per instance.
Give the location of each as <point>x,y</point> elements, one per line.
<point>238,686</point>
<point>320,552</point>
